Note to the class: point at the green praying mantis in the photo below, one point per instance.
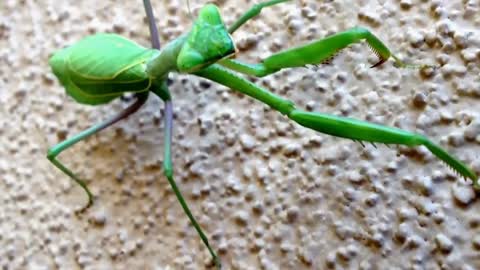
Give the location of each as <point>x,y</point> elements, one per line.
<point>103,67</point>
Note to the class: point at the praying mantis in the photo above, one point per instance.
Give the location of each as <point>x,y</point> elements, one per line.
<point>102,67</point>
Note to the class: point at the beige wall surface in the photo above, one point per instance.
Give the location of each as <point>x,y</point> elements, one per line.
<point>269,193</point>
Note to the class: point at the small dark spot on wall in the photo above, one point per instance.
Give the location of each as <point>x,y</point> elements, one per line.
<point>4,31</point>
<point>205,84</point>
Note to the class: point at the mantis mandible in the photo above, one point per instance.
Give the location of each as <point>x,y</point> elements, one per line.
<point>102,67</point>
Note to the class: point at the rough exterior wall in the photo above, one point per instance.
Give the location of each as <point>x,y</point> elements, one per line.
<point>269,193</point>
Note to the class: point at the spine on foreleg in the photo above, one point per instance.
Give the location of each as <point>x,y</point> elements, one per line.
<point>364,131</point>
<point>452,162</point>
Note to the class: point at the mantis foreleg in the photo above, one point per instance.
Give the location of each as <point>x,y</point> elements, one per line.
<point>252,12</point>
<point>54,151</point>
<point>315,53</point>
<point>334,125</point>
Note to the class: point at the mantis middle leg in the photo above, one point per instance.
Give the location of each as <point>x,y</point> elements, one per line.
<point>334,125</point>
<point>54,151</point>
<point>164,94</point>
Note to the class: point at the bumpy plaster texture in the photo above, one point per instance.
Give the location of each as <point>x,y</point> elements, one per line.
<point>269,193</point>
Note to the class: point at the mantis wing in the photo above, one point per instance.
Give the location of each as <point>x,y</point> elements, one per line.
<point>102,67</point>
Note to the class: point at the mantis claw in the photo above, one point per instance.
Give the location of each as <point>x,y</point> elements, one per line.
<point>382,60</point>
<point>84,208</point>
<point>88,205</point>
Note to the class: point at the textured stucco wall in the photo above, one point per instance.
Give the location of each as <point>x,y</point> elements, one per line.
<point>268,193</point>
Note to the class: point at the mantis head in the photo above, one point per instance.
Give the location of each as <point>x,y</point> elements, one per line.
<point>207,42</point>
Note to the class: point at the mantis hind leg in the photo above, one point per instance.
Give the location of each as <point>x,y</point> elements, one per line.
<point>54,151</point>
<point>315,53</point>
<point>334,125</point>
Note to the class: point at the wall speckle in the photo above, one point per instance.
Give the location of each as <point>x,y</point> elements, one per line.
<point>269,193</point>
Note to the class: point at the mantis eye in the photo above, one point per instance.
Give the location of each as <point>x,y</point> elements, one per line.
<point>207,42</point>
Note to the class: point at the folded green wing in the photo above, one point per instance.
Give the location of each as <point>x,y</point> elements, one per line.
<point>102,67</point>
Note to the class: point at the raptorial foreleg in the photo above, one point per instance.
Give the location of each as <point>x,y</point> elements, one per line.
<point>334,125</point>
<point>315,53</point>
